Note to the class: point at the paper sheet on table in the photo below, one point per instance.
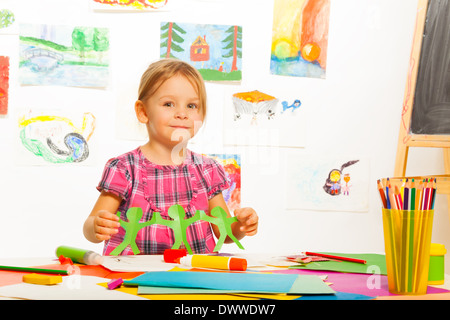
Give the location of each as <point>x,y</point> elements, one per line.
<point>74,287</point>
<point>136,263</point>
<point>249,282</point>
<point>145,263</point>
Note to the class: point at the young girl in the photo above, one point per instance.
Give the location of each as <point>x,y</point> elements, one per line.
<point>163,172</point>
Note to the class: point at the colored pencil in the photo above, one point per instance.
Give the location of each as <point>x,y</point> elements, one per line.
<point>406,202</point>
<point>419,193</point>
<point>393,203</point>
<point>398,198</point>
<point>388,202</point>
<point>382,195</point>
<point>411,217</point>
<point>36,270</point>
<point>336,257</point>
<point>402,189</point>
<point>434,194</point>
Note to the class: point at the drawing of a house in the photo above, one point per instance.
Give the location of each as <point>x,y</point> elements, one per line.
<point>200,49</point>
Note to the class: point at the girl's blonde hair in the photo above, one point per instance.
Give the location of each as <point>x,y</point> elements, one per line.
<point>160,71</point>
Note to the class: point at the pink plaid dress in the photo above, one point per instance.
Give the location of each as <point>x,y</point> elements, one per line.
<point>155,188</point>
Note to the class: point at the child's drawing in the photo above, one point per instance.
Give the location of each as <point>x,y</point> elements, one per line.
<point>64,55</point>
<point>313,183</point>
<point>334,184</point>
<point>136,5</point>
<point>300,38</point>
<point>7,21</point>
<point>232,166</point>
<point>214,50</point>
<point>255,104</point>
<point>51,138</point>
<point>258,117</point>
<point>4,84</point>
<point>294,106</point>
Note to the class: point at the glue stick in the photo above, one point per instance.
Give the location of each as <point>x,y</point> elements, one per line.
<point>214,262</point>
<point>79,255</point>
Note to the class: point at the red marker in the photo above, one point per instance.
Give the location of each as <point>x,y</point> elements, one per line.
<point>336,257</point>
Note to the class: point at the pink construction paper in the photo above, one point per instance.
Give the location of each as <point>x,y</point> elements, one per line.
<point>356,283</point>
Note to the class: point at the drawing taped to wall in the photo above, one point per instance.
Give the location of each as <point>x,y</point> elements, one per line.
<point>64,55</point>
<point>338,182</point>
<point>265,118</point>
<point>134,5</point>
<point>327,183</point>
<point>257,104</point>
<point>300,38</point>
<point>214,50</point>
<point>254,103</point>
<point>52,138</point>
<point>231,163</point>
<point>4,84</point>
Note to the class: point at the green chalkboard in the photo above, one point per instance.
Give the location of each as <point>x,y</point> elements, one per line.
<point>431,106</point>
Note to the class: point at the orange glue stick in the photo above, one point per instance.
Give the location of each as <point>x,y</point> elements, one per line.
<point>214,262</point>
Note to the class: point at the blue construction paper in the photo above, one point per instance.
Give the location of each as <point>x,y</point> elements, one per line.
<point>249,282</point>
<point>337,296</point>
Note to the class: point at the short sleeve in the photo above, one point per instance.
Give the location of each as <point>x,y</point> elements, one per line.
<point>216,177</point>
<point>116,178</point>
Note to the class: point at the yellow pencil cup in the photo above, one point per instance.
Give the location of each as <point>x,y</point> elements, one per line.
<point>407,241</point>
<point>436,271</point>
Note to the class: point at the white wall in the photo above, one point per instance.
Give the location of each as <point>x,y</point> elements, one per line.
<point>355,110</point>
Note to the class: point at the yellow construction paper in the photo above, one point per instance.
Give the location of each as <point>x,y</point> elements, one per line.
<point>134,291</point>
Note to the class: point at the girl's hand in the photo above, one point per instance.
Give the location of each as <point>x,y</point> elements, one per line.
<point>105,225</point>
<point>248,219</point>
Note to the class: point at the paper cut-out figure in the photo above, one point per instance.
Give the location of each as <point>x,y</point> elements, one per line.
<point>132,228</point>
<point>220,219</point>
<point>179,225</point>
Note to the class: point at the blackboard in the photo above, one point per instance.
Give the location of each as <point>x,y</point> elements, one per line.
<point>431,106</point>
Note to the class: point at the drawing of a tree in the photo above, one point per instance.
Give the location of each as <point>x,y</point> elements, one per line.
<point>170,38</point>
<point>101,41</point>
<point>80,41</point>
<point>233,43</point>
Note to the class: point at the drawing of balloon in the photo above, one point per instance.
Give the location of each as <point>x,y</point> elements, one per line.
<point>56,139</point>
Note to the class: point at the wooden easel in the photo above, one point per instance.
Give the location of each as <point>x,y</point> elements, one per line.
<point>406,139</point>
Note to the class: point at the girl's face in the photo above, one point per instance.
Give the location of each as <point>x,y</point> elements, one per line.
<point>172,114</point>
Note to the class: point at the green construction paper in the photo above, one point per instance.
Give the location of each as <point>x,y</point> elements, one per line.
<point>375,264</point>
<point>310,284</point>
<point>178,224</point>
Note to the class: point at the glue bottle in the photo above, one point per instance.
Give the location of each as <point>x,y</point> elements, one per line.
<point>214,262</point>
<point>79,255</point>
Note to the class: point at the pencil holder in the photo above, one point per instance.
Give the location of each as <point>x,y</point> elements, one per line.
<point>407,240</point>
